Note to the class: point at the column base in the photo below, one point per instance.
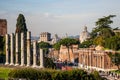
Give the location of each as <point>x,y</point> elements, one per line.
<point>22,65</point>
<point>6,63</point>
<point>28,65</point>
<point>41,66</point>
<point>16,64</point>
<point>34,66</point>
<point>11,63</point>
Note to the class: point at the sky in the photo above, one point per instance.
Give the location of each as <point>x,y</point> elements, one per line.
<point>58,16</point>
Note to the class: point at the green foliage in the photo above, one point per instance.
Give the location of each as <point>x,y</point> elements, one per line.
<point>44,45</point>
<point>116,71</point>
<point>99,41</point>
<point>115,58</point>
<point>2,44</point>
<point>68,42</point>
<point>4,72</point>
<point>56,46</point>
<point>21,25</point>
<point>103,34</point>
<point>49,63</point>
<point>86,44</point>
<point>113,43</point>
<point>104,22</point>
<point>47,74</point>
<point>96,75</point>
<point>103,30</point>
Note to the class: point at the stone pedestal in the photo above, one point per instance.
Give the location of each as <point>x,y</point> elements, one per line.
<point>41,58</point>
<point>22,49</point>
<point>28,47</point>
<point>7,49</point>
<point>34,53</point>
<point>16,49</point>
<point>12,47</point>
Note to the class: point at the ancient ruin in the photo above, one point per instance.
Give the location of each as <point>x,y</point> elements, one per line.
<point>13,55</point>
<point>3,27</point>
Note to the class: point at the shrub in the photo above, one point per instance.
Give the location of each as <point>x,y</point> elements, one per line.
<point>49,74</point>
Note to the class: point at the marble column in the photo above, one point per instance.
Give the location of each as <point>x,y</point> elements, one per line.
<point>16,50</point>
<point>34,53</point>
<point>7,49</point>
<point>28,47</point>
<point>41,58</point>
<point>12,49</point>
<point>22,49</point>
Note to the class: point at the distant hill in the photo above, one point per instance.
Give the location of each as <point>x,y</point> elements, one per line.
<point>76,37</point>
<point>34,38</point>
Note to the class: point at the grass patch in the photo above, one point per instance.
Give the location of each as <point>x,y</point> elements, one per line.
<point>116,71</point>
<point>4,72</point>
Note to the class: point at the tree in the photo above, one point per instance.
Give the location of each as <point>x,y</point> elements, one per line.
<point>103,29</point>
<point>49,63</point>
<point>2,42</point>
<point>103,26</point>
<point>86,44</point>
<point>21,25</point>
<point>68,42</point>
<point>44,46</point>
<point>99,40</point>
<point>115,58</point>
<point>2,49</point>
<point>56,46</point>
<point>113,43</point>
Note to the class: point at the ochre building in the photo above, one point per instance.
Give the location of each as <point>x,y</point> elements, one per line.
<point>88,58</point>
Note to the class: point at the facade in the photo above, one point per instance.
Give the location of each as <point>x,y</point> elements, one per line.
<point>88,58</point>
<point>84,35</point>
<point>3,27</point>
<point>45,37</point>
<point>95,59</point>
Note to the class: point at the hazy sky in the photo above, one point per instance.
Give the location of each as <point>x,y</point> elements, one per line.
<point>58,16</point>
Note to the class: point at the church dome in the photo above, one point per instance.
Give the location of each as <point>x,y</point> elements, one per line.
<point>84,35</point>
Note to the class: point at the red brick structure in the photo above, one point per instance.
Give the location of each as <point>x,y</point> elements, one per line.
<point>63,55</point>
<point>3,27</point>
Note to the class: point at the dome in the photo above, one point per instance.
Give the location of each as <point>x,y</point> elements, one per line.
<point>84,35</point>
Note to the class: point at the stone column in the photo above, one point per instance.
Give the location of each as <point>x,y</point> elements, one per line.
<point>22,49</point>
<point>34,53</point>
<point>16,50</point>
<point>28,47</point>
<point>90,58</point>
<point>7,49</point>
<point>103,66</point>
<point>12,49</point>
<point>100,62</point>
<point>41,58</point>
